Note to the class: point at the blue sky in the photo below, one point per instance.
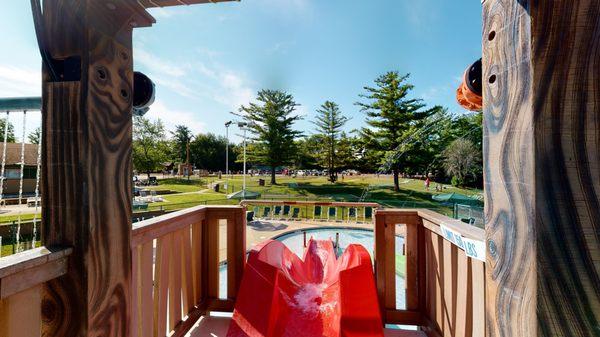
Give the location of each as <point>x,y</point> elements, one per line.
<point>208,59</point>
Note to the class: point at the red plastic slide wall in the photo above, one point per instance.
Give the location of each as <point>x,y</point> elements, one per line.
<point>319,295</point>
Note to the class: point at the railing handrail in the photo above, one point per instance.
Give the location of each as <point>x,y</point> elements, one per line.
<point>310,203</point>
<point>33,267</point>
<point>437,219</point>
<point>146,230</point>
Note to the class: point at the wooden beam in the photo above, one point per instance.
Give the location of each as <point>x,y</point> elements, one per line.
<point>541,141</point>
<point>169,3</point>
<point>86,176</point>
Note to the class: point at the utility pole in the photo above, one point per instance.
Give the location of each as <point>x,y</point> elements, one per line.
<point>227,148</point>
<point>243,125</point>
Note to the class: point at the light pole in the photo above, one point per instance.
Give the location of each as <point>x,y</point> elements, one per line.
<point>227,148</point>
<point>242,125</point>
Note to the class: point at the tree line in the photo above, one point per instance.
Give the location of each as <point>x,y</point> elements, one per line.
<point>402,135</point>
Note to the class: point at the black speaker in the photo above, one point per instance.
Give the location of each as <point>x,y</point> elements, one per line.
<point>143,93</point>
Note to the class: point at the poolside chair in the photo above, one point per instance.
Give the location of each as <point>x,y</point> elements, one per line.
<point>317,212</point>
<point>368,213</point>
<point>286,211</point>
<point>277,211</point>
<point>332,213</point>
<point>295,213</point>
<point>249,216</point>
<point>256,210</point>
<point>266,212</point>
<point>352,214</point>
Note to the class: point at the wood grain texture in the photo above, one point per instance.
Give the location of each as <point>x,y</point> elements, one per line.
<point>542,134</point>
<point>86,171</point>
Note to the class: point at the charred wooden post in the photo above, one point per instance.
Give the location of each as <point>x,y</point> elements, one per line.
<point>87,105</point>
<point>542,167</point>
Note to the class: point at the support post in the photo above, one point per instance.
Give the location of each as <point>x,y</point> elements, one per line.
<point>541,72</point>
<point>86,176</point>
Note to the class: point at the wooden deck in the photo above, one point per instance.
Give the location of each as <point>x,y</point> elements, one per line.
<point>212,326</point>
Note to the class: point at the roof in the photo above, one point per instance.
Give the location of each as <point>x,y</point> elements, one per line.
<point>166,3</point>
<point>13,153</point>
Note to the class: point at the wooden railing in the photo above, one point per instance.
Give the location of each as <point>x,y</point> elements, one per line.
<point>175,261</point>
<point>445,288</point>
<point>22,279</point>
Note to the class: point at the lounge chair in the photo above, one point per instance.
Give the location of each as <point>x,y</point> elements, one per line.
<point>266,212</point>
<point>352,213</point>
<point>332,213</point>
<point>368,213</point>
<point>249,216</point>
<point>286,211</point>
<point>317,212</point>
<point>295,213</point>
<point>277,211</point>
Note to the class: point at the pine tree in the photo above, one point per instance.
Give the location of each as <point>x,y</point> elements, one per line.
<point>182,136</point>
<point>329,123</point>
<point>395,122</point>
<point>270,122</point>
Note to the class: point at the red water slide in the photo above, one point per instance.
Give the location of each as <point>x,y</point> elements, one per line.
<point>320,295</point>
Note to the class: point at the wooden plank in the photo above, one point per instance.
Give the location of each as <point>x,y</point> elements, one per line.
<point>236,252</point>
<point>186,260</point>
<point>146,285</point>
<point>448,286</point>
<point>478,297</point>
<point>412,266</point>
<point>37,275</point>
<point>151,229</point>
<point>86,171</point>
<point>161,285</point>
<point>175,281</point>
<point>21,314</point>
<point>212,255</point>
<point>541,123</point>
<point>136,290</point>
<point>403,317</point>
<point>168,3</point>
<point>197,261</point>
<point>464,296</point>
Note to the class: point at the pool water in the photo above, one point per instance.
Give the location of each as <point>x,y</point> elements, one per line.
<point>295,242</point>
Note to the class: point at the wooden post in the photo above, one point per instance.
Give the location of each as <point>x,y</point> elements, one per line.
<point>86,177</point>
<point>542,167</point>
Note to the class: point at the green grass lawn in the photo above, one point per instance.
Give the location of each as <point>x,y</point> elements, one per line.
<point>401,265</point>
<point>380,189</point>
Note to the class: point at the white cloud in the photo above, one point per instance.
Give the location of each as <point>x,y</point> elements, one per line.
<point>172,117</point>
<point>18,81</point>
<point>156,64</point>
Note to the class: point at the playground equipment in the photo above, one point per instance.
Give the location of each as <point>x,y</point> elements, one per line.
<point>282,295</point>
<point>469,94</point>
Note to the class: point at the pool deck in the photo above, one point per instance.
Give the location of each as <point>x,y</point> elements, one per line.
<point>262,230</point>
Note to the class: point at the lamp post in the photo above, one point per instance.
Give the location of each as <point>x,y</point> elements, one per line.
<point>243,125</point>
<point>227,148</point>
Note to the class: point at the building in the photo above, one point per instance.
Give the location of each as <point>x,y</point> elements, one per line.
<point>12,169</point>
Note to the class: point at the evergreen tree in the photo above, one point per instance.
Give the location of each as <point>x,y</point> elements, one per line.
<point>329,123</point>
<point>270,123</point>
<point>35,136</point>
<point>10,136</point>
<point>395,122</point>
<point>182,136</point>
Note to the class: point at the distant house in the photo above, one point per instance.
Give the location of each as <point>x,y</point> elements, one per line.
<point>12,169</point>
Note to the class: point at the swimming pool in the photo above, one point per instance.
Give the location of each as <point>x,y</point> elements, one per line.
<point>295,242</point>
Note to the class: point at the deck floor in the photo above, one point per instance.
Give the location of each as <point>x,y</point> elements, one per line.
<point>211,326</point>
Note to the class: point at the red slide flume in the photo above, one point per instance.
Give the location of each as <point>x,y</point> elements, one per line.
<point>319,295</point>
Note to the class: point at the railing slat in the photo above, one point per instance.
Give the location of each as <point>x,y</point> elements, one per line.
<point>212,245</point>
<point>175,281</point>
<point>146,285</point>
<point>197,263</point>
<point>161,285</point>
<point>464,298</point>
<point>186,257</point>
<point>478,294</point>
<point>21,314</point>
<point>236,252</point>
<point>136,290</point>
<point>412,265</point>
